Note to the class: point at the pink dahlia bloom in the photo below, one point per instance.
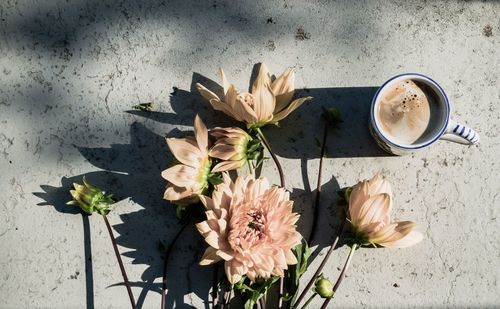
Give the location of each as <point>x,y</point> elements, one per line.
<point>370,204</point>
<point>251,227</point>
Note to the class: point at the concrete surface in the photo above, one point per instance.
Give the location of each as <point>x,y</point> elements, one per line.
<point>70,71</point>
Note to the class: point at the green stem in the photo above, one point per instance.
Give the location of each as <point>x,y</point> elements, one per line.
<point>275,159</point>
<point>341,276</point>
<point>309,300</point>
<point>322,265</point>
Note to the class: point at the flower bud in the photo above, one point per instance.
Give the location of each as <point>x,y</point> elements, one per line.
<point>234,147</point>
<point>332,116</point>
<point>323,287</point>
<point>90,198</point>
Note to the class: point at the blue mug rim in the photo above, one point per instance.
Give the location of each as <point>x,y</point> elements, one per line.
<point>441,131</point>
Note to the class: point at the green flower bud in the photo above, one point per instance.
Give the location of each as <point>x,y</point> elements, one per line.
<point>332,116</point>
<point>90,198</point>
<point>323,287</point>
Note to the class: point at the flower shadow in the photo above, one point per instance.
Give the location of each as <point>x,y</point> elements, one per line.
<point>133,171</point>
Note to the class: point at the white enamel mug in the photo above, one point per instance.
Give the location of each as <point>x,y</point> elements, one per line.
<point>443,128</point>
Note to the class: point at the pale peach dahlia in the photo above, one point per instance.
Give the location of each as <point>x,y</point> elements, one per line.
<point>251,227</point>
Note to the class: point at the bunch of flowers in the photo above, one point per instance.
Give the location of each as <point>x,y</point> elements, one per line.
<point>250,226</point>
<point>248,223</point>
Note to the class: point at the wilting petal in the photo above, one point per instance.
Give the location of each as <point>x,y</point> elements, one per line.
<point>243,109</point>
<point>283,88</point>
<point>293,106</point>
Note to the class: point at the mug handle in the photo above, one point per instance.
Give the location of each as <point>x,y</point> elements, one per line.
<point>461,134</point>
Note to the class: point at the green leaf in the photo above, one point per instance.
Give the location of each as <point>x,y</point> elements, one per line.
<point>302,252</point>
<point>215,179</point>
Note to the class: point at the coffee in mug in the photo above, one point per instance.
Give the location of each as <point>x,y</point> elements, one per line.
<point>410,112</point>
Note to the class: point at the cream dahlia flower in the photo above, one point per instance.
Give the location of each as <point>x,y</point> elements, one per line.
<point>189,178</point>
<point>234,147</point>
<point>268,103</point>
<point>370,203</point>
<point>251,227</point>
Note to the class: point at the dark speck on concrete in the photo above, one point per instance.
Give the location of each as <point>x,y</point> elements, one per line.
<point>270,20</point>
<point>395,285</point>
<point>487,31</point>
<point>75,276</point>
<point>302,35</point>
<point>270,45</point>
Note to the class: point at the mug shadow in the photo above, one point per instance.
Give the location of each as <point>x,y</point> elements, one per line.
<point>134,171</point>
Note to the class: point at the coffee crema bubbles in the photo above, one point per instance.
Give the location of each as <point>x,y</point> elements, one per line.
<point>404,111</point>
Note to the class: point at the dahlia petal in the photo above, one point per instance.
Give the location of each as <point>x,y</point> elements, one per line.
<point>375,209</point>
<point>212,239</point>
<point>228,166</point>
<point>290,108</point>
<point>174,193</point>
<point>207,94</point>
<point>209,257</point>
<point>408,240</point>
<point>223,152</point>
<point>185,150</point>
<point>203,228</point>
<point>201,133</point>
<point>291,259</point>
<point>232,277</point>
<point>224,255</point>
<point>359,195</point>
<point>207,202</point>
<point>395,235</point>
<point>180,175</point>
<point>225,83</point>
<point>283,88</point>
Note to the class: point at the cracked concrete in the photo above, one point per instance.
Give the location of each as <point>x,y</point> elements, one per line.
<point>71,72</point>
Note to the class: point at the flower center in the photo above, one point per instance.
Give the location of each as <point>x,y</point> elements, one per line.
<point>256,222</point>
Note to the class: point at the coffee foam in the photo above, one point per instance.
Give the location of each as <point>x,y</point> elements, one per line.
<point>404,112</point>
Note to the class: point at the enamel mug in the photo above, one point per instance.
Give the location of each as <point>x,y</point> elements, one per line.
<point>443,127</point>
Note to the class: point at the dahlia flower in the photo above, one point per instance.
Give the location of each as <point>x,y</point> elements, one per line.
<point>370,203</point>
<point>189,178</point>
<point>268,103</point>
<point>251,227</point>
<point>235,147</point>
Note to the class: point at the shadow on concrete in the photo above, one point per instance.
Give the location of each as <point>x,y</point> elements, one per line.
<point>134,171</point>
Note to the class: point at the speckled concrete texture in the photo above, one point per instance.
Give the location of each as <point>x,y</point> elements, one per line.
<point>70,71</point>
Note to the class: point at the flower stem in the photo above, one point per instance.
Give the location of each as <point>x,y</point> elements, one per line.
<point>309,300</point>
<point>165,264</point>
<point>273,155</point>
<point>341,276</point>
<point>318,186</point>
<point>321,266</point>
<point>282,180</point>
<point>120,262</point>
